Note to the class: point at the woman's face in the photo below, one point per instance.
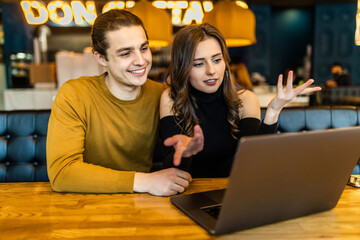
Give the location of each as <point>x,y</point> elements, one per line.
<point>207,72</point>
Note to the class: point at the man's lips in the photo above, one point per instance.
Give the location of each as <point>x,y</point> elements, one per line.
<point>138,71</point>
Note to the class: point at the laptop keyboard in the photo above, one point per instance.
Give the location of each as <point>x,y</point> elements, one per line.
<point>212,210</point>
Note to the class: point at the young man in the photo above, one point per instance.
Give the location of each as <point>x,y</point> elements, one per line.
<point>340,77</point>
<point>103,129</point>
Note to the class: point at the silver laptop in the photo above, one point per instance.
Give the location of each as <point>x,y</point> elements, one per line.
<point>277,177</point>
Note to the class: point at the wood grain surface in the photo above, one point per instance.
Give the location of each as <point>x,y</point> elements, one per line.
<point>34,211</point>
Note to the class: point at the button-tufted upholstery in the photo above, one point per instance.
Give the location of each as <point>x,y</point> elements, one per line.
<point>23,136</point>
<point>23,146</point>
<point>316,118</point>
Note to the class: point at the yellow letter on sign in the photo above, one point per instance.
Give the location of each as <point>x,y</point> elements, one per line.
<point>34,11</point>
<point>113,5</point>
<point>64,7</point>
<point>81,13</point>
<point>194,12</point>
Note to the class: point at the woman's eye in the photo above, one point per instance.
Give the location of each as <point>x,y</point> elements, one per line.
<point>217,60</point>
<point>198,64</point>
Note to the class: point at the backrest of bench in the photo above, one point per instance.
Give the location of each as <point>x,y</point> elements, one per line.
<point>23,146</point>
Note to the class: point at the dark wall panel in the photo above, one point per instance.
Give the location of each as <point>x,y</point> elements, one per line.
<point>18,35</point>
<point>292,31</point>
<point>334,40</point>
<point>259,53</point>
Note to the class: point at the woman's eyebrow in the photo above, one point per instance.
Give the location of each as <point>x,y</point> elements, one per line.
<point>215,55</point>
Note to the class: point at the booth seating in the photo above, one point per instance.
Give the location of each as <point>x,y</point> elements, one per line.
<point>23,136</point>
<point>23,146</point>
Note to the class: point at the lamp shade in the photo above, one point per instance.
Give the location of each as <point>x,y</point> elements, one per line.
<point>157,23</point>
<point>237,24</point>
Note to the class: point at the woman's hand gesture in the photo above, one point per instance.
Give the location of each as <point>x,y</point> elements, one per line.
<point>285,95</point>
<point>186,146</point>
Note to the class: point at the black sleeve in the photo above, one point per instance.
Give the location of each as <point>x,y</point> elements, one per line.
<point>344,80</point>
<point>169,128</point>
<point>252,126</point>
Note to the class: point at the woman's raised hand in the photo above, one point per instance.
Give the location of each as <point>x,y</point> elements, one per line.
<point>286,95</point>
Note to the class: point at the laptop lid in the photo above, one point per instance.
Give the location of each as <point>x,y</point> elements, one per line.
<point>279,177</point>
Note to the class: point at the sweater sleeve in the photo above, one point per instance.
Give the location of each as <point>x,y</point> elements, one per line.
<point>65,147</point>
<point>252,126</point>
<point>169,128</point>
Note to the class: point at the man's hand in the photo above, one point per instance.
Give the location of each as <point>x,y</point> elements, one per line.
<point>186,146</point>
<point>165,182</point>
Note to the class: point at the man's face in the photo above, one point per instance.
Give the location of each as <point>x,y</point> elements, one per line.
<point>336,70</point>
<point>128,56</point>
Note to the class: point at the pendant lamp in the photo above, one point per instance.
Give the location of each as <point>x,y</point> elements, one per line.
<point>357,30</point>
<point>237,24</point>
<point>157,23</point>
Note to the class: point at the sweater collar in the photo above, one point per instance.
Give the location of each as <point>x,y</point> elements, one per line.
<point>206,97</point>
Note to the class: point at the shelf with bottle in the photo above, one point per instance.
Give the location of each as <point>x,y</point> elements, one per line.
<point>19,69</point>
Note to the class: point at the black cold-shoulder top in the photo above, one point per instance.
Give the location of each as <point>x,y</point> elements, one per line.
<point>215,160</point>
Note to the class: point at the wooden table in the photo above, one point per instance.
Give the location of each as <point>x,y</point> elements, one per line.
<point>34,211</point>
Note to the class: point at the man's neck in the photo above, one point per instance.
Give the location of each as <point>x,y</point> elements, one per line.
<point>122,91</point>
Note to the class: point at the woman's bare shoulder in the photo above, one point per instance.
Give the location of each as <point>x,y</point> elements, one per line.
<point>166,104</point>
<point>250,104</point>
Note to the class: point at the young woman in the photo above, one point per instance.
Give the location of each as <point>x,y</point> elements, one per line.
<point>201,92</point>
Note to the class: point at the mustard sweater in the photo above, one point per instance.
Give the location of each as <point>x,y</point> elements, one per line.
<point>95,141</point>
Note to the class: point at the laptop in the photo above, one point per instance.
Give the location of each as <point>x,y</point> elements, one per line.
<point>277,177</point>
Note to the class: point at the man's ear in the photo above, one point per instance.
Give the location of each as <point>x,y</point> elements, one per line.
<point>100,59</point>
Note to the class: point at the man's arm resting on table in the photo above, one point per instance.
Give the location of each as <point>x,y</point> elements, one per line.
<point>65,147</point>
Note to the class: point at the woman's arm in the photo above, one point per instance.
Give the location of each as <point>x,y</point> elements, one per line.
<point>250,105</point>
<point>166,104</point>
<point>250,115</point>
<point>184,146</point>
<point>286,95</point>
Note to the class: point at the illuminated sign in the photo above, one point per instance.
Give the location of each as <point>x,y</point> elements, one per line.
<point>64,12</point>
<point>194,10</point>
<point>84,13</point>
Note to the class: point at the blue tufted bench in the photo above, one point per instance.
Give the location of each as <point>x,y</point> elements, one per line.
<point>23,146</point>
<point>23,136</point>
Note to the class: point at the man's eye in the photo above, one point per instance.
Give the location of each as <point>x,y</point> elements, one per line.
<point>124,54</point>
<point>144,49</point>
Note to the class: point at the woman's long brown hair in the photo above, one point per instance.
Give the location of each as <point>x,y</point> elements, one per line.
<point>182,55</point>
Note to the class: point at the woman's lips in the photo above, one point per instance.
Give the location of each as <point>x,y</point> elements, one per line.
<point>210,82</point>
